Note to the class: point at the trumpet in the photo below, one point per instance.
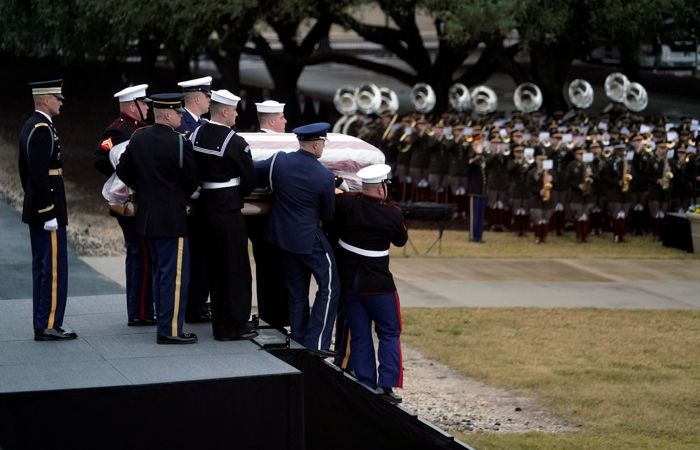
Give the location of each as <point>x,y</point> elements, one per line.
<point>587,180</point>
<point>667,176</point>
<point>405,141</point>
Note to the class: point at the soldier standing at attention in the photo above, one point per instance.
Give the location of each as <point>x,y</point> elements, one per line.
<point>226,168</point>
<point>44,210</point>
<point>133,109</point>
<point>367,226</point>
<point>476,189</point>
<point>159,165</point>
<point>303,196</point>
<point>196,97</point>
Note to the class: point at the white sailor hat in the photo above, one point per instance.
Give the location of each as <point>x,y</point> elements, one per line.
<point>198,84</point>
<point>270,106</point>
<point>225,97</point>
<point>373,174</point>
<point>137,92</point>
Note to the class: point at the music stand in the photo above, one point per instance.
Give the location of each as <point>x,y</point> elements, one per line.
<point>429,212</point>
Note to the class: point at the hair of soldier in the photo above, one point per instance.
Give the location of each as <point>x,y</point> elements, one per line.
<point>216,108</point>
<point>188,97</point>
<point>39,99</point>
<point>375,190</point>
<point>264,118</point>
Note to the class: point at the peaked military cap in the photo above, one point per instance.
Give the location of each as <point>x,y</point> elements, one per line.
<point>50,87</point>
<point>312,132</point>
<point>376,173</point>
<point>168,101</point>
<point>197,85</point>
<point>137,92</point>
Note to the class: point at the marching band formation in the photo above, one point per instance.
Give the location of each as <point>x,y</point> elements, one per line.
<point>617,170</point>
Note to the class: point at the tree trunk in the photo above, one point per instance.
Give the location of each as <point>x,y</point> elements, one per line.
<point>550,66</point>
<point>285,75</point>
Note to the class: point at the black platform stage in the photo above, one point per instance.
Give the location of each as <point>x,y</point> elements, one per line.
<point>115,388</point>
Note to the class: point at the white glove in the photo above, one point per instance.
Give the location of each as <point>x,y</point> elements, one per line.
<point>51,225</point>
<point>195,194</point>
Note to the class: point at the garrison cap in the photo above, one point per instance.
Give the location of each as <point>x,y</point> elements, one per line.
<point>270,106</point>
<point>168,101</point>
<point>50,87</point>
<point>225,97</point>
<point>312,132</point>
<point>197,85</point>
<point>373,174</point>
<point>137,92</point>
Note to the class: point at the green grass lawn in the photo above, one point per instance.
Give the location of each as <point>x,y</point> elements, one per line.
<point>630,379</point>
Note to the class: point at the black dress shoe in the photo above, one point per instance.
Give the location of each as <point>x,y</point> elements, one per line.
<point>237,337</point>
<point>389,395</point>
<point>323,353</point>
<point>185,338</point>
<point>141,322</point>
<point>54,334</point>
<point>198,317</point>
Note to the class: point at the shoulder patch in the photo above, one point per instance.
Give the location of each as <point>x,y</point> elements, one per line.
<point>106,145</point>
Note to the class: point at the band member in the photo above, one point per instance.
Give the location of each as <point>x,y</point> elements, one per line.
<point>44,210</point>
<point>682,181</point>
<point>303,196</point>
<point>403,141</point>
<point>640,187</point>
<point>367,226</point>
<point>561,157</point>
<point>540,183</point>
<point>658,174</point>
<point>599,189</point>
<point>226,168</point>
<point>617,175</point>
<point>420,158</point>
<point>518,168</point>
<point>497,184</point>
<point>579,174</point>
<point>196,95</point>
<point>457,169</point>
<point>159,164</point>
<point>438,163</point>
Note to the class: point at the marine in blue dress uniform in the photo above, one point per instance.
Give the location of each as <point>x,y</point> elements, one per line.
<point>366,226</point>
<point>44,210</point>
<point>133,109</point>
<point>302,198</point>
<point>226,168</point>
<point>196,97</point>
<point>272,297</point>
<point>159,165</point>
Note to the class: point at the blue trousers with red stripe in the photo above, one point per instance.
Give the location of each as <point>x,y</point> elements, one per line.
<point>385,311</point>
<point>139,286</point>
<point>170,259</point>
<point>49,275</point>
<point>312,328</point>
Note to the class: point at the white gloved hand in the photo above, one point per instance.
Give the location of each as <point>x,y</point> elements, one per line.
<point>195,194</point>
<point>51,225</point>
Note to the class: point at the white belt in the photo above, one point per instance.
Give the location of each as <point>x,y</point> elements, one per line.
<point>230,183</point>
<point>362,251</point>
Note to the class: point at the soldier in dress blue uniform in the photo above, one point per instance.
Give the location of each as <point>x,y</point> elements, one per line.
<point>273,302</point>
<point>476,190</point>
<point>133,109</point>
<point>226,168</point>
<point>302,198</point>
<point>44,210</point>
<point>159,165</point>
<point>197,97</point>
<point>366,226</point>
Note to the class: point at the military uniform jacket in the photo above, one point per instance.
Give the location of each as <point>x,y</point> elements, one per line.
<point>639,164</point>
<point>458,158</point>
<point>496,172</point>
<point>575,175</point>
<point>612,175</point>
<point>561,159</point>
<point>117,132</point>
<point>534,186</point>
<point>420,154</point>
<point>476,177</point>
<point>302,197</point>
<point>221,155</point>
<point>370,224</point>
<point>39,152</point>
<point>189,123</point>
<point>517,176</point>
<point>163,177</point>
<point>439,156</point>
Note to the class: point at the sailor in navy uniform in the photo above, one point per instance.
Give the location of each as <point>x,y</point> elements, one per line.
<point>159,165</point>
<point>133,108</point>
<point>367,226</point>
<point>302,198</point>
<point>226,168</point>
<point>44,210</point>
<point>273,304</point>
<point>197,96</point>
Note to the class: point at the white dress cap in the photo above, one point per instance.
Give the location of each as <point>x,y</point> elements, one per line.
<point>225,97</point>
<point>375,173</point>
<point>198,84</point>
<point>270,106</point>
<point>132,93</point>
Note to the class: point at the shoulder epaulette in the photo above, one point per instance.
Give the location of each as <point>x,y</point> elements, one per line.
<point>41,124</point>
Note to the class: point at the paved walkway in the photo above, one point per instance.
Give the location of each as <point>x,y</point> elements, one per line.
<point>645,284</point>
